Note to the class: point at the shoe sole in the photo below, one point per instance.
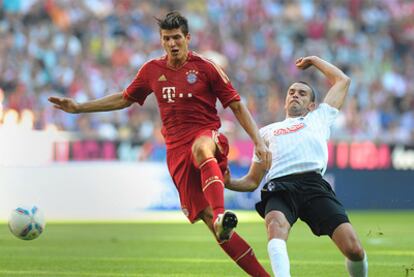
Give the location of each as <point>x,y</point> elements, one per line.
<point>229,223</point>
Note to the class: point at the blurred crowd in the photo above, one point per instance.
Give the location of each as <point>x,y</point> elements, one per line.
<point>89,48</point>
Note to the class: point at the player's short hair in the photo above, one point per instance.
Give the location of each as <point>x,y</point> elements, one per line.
<point>314,95</point>
<point>173,20</point>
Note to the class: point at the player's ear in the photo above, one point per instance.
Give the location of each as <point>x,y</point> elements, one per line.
<point>161,37</point>
<point>188,37</point>
<point>312,106</point>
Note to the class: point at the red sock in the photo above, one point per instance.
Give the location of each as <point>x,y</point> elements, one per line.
<point>213,185</point>
<point>243,255</point>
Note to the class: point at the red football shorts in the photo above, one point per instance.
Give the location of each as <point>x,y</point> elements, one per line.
<point>187,177</point>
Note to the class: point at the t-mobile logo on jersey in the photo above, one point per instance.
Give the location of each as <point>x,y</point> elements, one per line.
<point>169,94</point>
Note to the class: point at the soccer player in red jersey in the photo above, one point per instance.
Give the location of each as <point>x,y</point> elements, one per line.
<point>186,87</point>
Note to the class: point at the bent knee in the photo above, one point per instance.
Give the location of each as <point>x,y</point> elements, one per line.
<point>207,217</point>
<point>277,225</point>
<point>355,252</point>
<point>203,148</point>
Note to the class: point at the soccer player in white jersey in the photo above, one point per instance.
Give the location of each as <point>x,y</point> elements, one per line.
<point>294,185</point>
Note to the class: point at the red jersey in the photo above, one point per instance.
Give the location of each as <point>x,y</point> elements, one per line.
<point>186,96</point>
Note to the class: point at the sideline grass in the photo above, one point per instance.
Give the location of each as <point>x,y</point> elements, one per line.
<point>176,248</point>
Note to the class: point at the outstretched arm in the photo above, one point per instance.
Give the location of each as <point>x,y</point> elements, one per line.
<point>108,103</point>
<point>249,182</point>
<point>340,82</point>
<point>246,121</point>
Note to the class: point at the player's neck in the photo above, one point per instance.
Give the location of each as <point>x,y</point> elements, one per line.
<point>296,115</point>
<point>177,62</point>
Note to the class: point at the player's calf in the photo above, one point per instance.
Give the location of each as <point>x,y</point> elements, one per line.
<point>241,252</point>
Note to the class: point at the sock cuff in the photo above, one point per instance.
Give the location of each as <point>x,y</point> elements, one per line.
<point>276,245</point>
<point>206,161</point>
<point>365,259</point>
<point>357,268</point>
<point>365,256</point>
<point>218,181</point>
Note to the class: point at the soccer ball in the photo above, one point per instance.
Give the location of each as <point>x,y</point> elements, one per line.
<point>26,223</point>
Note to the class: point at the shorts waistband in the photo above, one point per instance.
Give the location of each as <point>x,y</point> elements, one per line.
<point>292,177</point>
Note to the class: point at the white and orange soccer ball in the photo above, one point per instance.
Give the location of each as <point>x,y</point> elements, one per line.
<point>27,222</point>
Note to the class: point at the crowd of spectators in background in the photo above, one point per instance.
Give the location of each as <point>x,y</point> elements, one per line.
<point>86,49</point>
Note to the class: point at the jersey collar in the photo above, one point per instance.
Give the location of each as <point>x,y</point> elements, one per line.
<point>189,56</point>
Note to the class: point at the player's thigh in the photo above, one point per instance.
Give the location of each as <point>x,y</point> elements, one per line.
<point>218,143</point>
<point>279,212</point>
<point>203,147</point>
<point>323,214</point>
<point>203,143</point>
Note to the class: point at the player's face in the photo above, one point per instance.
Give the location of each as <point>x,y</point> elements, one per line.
<point>298,100</point>
<point>175,44</point>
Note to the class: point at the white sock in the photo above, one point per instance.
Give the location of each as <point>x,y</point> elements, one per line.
<point>358,268</point>
<point>279,258</point>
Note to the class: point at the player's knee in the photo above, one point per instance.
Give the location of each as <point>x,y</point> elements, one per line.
<point>207,214</point>
<point>202,149</point>
<point>355,252</point>
<point>207,217</point>
<point>277,225</point>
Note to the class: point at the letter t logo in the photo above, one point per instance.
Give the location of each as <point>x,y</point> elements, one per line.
<point>169,94</point>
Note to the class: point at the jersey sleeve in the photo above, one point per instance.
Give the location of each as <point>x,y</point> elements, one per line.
<point>222,86</point>
<point>326,114</point>
<point>139,88</point>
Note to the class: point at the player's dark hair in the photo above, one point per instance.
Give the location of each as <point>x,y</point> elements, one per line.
<point>313,96</point>
<point>173,20</point>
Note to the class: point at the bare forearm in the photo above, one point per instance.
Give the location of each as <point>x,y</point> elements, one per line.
<point>331,72</point>
<point>250,181</point>
<point>340,82</point>
<point>108,103</point>
<point>243,184</point>
<point>246,121</point>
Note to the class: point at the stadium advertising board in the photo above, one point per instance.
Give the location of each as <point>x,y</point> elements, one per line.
<point>364,155</point>
<point>364,175</point>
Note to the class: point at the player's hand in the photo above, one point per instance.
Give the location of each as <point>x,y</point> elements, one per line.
<point>263,153</point>
<point>65,104</point>
<point>304,62</point>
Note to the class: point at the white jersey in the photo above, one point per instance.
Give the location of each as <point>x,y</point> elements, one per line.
<point>299,144</point>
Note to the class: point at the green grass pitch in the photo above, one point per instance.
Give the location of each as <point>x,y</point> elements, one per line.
<point>176,248</point>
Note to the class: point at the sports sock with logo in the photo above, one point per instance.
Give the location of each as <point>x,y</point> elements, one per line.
<point>213,185</point>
